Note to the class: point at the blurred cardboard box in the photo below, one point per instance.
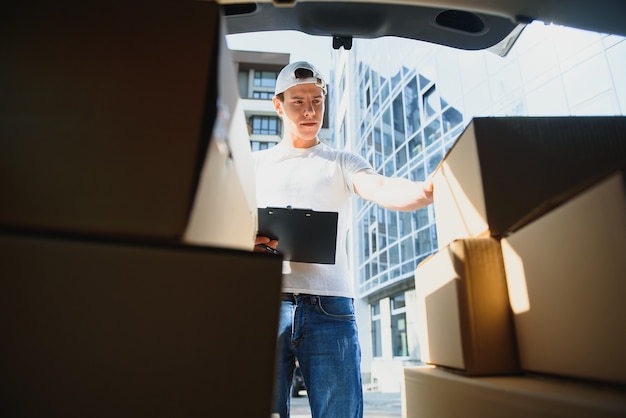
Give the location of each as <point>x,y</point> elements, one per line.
<point>224,211</point>
<point>430,392</point>
<point>502,172</point>
<point>464,317</point>
<point>113,119</point>
<point>565,274</point>
<point>101,328</point>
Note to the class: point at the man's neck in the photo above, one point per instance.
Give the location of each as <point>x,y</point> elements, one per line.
<point>301,143</point>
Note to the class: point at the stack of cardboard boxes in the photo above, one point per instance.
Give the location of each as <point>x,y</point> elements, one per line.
<point>128,217</point>
<point>124,123</point>
<point>521,308</point>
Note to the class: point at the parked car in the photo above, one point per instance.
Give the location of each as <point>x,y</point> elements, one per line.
<point>106,121</point>
<point>471,25</point>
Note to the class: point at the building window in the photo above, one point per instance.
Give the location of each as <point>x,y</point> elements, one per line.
<point>431,103</point>
<point>377,341</point>
<point>265,79</point>
<point>399,343</point>
<point>259,145</point>
<point>265,125</point>
<point>262,95</point>
<point>398,119</point>
<point>373,238</point>
<point>412,110</point>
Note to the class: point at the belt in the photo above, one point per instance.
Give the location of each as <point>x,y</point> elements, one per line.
<point>295,297</point>
<point>288,297</point>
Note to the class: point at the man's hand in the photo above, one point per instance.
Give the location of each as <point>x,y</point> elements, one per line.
<point>428,188</point>
<point>265,245</point>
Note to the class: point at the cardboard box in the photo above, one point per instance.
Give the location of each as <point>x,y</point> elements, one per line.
<point>435,393</point>
<point>502,172</point>
<point>464,317</point>
<point>108,114</point>
<point>224,211</point>
<point>111,328</point>
<point>565,274</point>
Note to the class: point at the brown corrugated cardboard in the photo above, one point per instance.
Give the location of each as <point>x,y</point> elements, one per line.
<point>111,328</point>
<point>502,172</point>
<point>224,211</point>
<point>435,393</point>
<point>107,114</point>
<point>464,316</point>
<point>565,274</point>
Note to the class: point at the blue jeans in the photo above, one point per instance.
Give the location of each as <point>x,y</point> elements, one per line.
<point>321,332</point>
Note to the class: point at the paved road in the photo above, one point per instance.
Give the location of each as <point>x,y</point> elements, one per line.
<point>375,405</point>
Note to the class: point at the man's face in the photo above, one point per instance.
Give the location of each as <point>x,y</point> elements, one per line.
<point>302,111</point>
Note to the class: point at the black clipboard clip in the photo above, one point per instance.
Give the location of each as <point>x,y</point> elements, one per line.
<point>268,249</point>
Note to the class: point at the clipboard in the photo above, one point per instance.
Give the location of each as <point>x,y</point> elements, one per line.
<point>303,235</point>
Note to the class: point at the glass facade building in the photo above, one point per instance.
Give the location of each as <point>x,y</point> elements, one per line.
<point>402,104</point>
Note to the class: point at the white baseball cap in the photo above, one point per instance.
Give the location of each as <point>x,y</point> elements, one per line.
<point>287,77</point>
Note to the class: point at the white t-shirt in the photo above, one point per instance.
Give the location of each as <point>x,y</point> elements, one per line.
<point>318,178</point>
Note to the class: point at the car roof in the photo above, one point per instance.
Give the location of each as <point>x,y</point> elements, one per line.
<point>463,24</point>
